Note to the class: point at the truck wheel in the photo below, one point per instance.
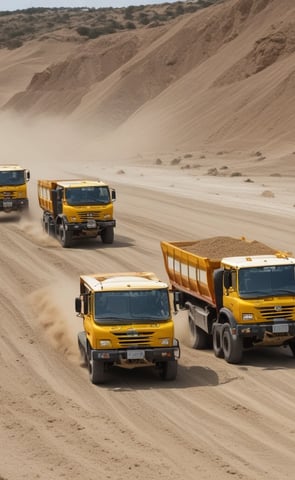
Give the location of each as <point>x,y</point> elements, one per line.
<point>65,236</point>
<point>96,371</point>
<point>292,346</point>
<point>83,356</point>
<point>168,370</point>
<point>198,337</point>
<point>51,229</point>
<point>217,342</point>
<point>232,348</point>
<point>107,235</point>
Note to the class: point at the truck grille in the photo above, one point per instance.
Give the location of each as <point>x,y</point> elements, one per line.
<point>8,195</point>
<point>93,215</point>
<point>142,339</point>
<point>286,312</point>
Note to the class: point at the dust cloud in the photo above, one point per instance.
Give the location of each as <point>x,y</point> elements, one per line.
<point>55,317</point>
<point>181,325</point>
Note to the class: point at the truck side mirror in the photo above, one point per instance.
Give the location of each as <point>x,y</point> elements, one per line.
<point>78,305</point>
<point>176,300</point>
<point>227,280</point>
<point>28,175</point>
<point>59,195</point>
<point>81,304</point>
<point>113,194</point>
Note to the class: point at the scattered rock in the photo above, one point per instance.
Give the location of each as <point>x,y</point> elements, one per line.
<point>236,174</point>
<point>212,171</point>
<point>268,194</point>
<point>175,161</point>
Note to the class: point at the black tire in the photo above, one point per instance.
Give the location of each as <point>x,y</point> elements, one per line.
<point>51,229</point>
<point>217,342</point>
<point>44,224</point>
<point>65,236</point>
<point>199,339</point>
<point>83,355</point>
<point>292,346</point>
<point>107,235</point>
<point>96,371</point>
<point>168,370</point>
<point>232,347</point>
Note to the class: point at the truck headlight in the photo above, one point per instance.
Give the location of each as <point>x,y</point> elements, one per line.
<point>107,216</point>
<point>164,341</point>
<point>247,317</point>
<point>105,343</point>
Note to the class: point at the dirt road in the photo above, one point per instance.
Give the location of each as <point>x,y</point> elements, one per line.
<point>216,421</point>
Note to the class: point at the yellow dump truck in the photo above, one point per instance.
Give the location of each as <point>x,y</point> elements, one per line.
<point>75,209</point>
<point>13,188</point>
<point>127,323</point>
<point>238,294</point>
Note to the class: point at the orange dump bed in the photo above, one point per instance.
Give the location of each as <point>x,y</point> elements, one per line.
<point>188,271</point>
<point>190,265</point>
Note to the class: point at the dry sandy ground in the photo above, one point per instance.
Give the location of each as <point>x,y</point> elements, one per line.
<point>216,420</point>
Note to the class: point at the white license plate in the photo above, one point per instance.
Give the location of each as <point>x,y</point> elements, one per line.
<point>91,224</point>
<point>280,328</point>
<point>7,203</point>
<point>135,354</point>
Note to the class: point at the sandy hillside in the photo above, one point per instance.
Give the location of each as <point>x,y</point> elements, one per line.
<point>220,77</point>
<point>201,145</point>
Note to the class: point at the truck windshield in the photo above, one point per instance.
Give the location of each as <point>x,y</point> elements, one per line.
<point>126,307</point>
<point>12,177</point>
<point>267,281</point>
<point>87,195</point>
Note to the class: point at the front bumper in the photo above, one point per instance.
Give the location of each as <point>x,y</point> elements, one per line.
<point>93,225</point>
<point>146,355</point>
<point>259,330</point>
<point>13,204</point>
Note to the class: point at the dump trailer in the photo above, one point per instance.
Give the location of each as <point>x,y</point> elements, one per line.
<point>13,188</point>
<point>127,323</point>
<point>75,209</point>
<point>238,294</point>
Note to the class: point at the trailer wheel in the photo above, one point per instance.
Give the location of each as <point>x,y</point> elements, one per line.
<point>232,347</point>
<point>107,235</point>
<point>199,338</point>
<point>292,346</point>
<point>65,236</point>
<point>168,370</point>
<point>217,342</point>
<point>96,371</point>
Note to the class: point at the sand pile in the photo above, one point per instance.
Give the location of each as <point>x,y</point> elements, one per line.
<point>221,247</point>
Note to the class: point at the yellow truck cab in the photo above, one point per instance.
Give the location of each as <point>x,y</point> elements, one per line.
<point>127,323</point>
<point>13,188</point>
<point>75,209</point>
<point>237,302</point>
